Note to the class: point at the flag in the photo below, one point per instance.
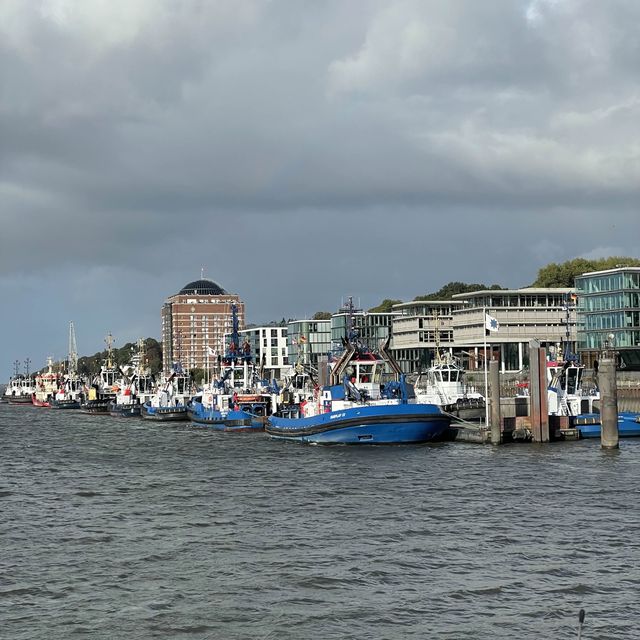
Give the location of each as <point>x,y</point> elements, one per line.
<point>491,323</point>
<point>210,351</point>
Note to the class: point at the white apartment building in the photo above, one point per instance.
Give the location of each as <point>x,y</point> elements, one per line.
<point>269,349</point>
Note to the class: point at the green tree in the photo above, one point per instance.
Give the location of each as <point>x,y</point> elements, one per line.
<point>564,274</point>
<point>90,365</point>
<point>385,306</point>
<point>322,315</point>
<point>453,288</point>
<point>197,375</point>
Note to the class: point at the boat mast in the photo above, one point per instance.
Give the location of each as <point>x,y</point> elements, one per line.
<point>109,342</point>
<point>436,332</point>
<point>73,351</point>
<point>142,357</point>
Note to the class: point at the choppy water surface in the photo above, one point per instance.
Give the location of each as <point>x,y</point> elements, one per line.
<point>127,529</point>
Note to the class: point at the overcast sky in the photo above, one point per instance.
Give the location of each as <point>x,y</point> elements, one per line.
<point>302,151</point>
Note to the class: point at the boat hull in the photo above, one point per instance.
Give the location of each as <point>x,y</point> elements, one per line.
<point>466,409</point>
<point>165,414</point>
<point>386,424</point>
<point>124,410</point>
<point>19,400</point>
<point>96,407</point>
<point>236,421</point>
<point>65,404</point>
<point>589,425</point>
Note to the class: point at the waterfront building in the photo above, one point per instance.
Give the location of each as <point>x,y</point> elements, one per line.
<point>419,328</point>
<point>308,341</point>
<point>194,323</point>
<point>269,348</point>
<point>609,315</point>
<point>372,327</point>
<point>543,314</point>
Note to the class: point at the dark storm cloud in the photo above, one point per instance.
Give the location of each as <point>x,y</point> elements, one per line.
<point>151,137</point>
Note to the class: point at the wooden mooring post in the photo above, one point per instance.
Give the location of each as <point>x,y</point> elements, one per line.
<point>494,385</point>
<point>539,407</point>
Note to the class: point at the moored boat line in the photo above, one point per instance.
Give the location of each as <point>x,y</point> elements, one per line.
<point>363,403</point>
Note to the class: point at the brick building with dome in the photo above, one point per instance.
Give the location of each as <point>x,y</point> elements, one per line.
<point>194,324</point>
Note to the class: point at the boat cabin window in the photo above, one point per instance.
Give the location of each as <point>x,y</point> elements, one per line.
<point>365,373</point>
<point>573,378</point>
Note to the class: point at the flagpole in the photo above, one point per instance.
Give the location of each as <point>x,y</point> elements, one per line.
<point>486,379</point>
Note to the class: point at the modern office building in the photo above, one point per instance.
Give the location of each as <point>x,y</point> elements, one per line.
<point>543,314</point>
<point>194,323</point>
<point>609,315</point>
<point>308,340</point>
<point>421,327</point>
<point>269,349</point>
<point>371,327</point>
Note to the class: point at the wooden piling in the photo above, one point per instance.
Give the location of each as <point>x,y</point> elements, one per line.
<point>609,436</point>
<point>544,398</point>
<point>494,385</point>
<point>539,411</point>
<point>534,390</point>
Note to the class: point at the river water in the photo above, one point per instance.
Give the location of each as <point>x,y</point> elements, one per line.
<point>116,528</point>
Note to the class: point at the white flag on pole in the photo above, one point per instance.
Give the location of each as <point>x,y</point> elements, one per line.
<point>491,323</point>
<point>210,351</point>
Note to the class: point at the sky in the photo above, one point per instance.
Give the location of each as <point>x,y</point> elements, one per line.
<point>302,151</point>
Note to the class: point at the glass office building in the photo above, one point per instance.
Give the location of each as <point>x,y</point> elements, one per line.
<point>307,340</point>
<point>609,310</point>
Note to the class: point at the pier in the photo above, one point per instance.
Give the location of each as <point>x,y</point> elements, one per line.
<point>525,418</point>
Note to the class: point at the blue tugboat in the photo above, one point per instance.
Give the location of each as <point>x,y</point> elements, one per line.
<point>239,400</point>
<point>589,425</point>
<point>358,423</point>
<point>358,408</point>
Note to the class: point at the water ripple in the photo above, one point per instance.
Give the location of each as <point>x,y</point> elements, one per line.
<point>117,529</point>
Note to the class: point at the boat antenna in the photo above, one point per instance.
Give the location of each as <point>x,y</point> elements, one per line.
<point>16,367</point>
<point>27,362</point>
<point>580,623</point>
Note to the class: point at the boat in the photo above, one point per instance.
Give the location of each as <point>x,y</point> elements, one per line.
<point>239,400</point>
<point>566,393</point>
<point>229,408</point>
<point>358,407</point>
<point>443,384</point>
<point>21,387</point>
<point>135,388</point>
<point>47,384</point>
<point>169,401</point>
<point>101,391</point>
<point>589,425</point>
<point>71,392</point>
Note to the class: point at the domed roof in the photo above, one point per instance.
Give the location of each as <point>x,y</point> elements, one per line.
<point>204,287</point>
